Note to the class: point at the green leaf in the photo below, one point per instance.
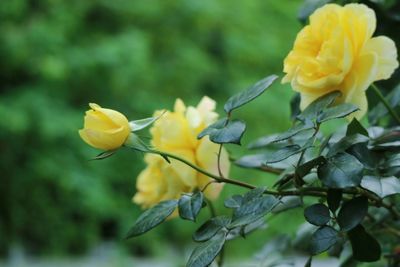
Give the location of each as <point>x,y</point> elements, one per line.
<point>322,239</point>
<point>205,253</point>
<point>263,142</point>
<point>190,206</point>
<point>352,213</point>
<point>317,214</point>
<point>254,193</point>
<point>287,203</point>
<point>334,199</point>
<point>393,161</point>
<point>347,142</point>
<point>336,112</point>
<point>208,229</point>
<point>295,106</point>
<point>355,127</point>
<point>253,210</point>
<point>316,107</point>
<point>136,143</point>
<point>233,202</point>
<point>252,161</point>
<point>248,95</point>
<point>305,168</point>
<point>283,153</point>
<point>390,139</point>
<point>143,123</point>
<point>298,128</point>
<point>104,155</point>
<point>152,217</point>
<point>383,187</point>
<point>369,158</point>
<point>341,171</point>
<point>225,131</point>
<point>365,247</point>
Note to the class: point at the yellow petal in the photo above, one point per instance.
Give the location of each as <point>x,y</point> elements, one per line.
<point>179,106</point>
<point>83,135</point>
<point>186,173</point>
<point>386,51</point>
<point>171,132</point>
<point>174,183</point>
<point>206,104</point>
<point>116,117</point>
<point>97,121</point>
<point>106,140</point>
<point>364,70</point>
<point>359,21</point>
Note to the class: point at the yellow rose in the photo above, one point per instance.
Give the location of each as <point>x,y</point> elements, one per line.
<point>104,128</point>
<point>336,51</point>
<point>176,132</point>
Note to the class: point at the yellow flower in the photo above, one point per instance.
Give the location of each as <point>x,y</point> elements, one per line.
<point>336,51</point>
<point>104,128</point>
<point>176,132</point>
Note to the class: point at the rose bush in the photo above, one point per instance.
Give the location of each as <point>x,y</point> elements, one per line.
<point>347,182</point>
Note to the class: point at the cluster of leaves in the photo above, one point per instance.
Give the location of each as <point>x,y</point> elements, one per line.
<point>352,172</point>
<point>248,209</point>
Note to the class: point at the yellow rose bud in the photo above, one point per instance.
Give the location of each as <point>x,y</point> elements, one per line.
<point>104,128</point>
<point>176,132</point>
<point>336,51</point>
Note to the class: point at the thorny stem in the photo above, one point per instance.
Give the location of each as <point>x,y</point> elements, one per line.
<point>385,103</point>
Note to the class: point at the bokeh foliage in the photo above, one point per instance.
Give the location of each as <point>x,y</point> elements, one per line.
<point>137,56</point>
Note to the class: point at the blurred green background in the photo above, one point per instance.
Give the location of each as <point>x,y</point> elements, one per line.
<point>135,57</point>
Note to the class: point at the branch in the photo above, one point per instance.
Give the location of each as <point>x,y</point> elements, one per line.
<point>301,191</point>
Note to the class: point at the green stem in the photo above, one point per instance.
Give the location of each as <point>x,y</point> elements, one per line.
<point>215,177</point>
<point>302,191</point>
<point>385,103</point>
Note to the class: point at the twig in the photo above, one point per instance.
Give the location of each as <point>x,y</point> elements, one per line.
<point>385,103</point>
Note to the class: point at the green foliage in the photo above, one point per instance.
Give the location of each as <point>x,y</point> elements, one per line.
<point>136,57</point>
<point>341,171</point>
<point>317,214</point>
<point>205,253</point>
<point>225,131</point>
<point>352,213</point>
<point>322,239</point>
<point>365,247</point>
<point>383,187</point>
<point>152,217</point>
<point>210,228</point>
<point>190,205</point>
<point>248,95</point>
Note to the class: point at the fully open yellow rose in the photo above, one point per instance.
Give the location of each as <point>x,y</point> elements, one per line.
<point>176,132</point>
<point>104,128</point>
<point>336,51</point>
